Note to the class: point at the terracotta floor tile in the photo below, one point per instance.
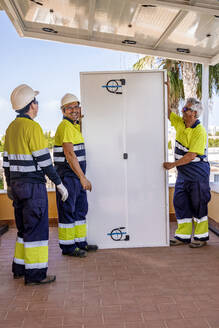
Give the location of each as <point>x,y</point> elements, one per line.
<point>178,323</point>
<point>135,325</point>
<point>161,315</point>
<point>213,322</point>
<point>74,325</point>
<point>115,325</point>
<point>198,323</point>
<point>11,324</point>
<point>53,322</point>
<point>120,316</point>
<point>179,307</point>
<point>119,288</point>
<point>155,324</point>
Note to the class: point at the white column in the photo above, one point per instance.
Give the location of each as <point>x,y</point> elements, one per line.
<point>205,94</point>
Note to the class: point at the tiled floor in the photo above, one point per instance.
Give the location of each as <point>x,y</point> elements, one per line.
<point>126,288</point>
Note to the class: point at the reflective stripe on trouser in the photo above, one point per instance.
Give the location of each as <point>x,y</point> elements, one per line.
<point>191,201</point>
<point>72,216</point>
<point>31,216</point>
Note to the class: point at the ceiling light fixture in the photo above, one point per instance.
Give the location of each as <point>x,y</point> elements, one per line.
<point>183,50</point>
<point>148,6</point>
<point>129,41</point>
<point>50,30</point>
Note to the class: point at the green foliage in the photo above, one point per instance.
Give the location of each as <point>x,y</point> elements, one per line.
<point>173,68</point>
<point>213,80</point>
<point>1,183</point>
<point>169,144</point>
<point>213,142</point>
<point>1,147</point>
<point>174,72</point>
<point>50,140</point>
<point>2,141</point>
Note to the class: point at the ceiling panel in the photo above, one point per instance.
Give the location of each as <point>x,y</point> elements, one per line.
<point>183,29</point>
<point>198,32</point>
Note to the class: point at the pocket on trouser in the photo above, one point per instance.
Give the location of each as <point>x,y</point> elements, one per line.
<point>35,216</point>
<point>36,208</point>
<point>181,202</point>
<point>21,190</point>
<point>205,192</point>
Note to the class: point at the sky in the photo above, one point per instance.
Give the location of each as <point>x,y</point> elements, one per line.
<point>54,69</point>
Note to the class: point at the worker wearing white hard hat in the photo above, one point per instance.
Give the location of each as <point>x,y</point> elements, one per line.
<point>26,162</point>
<point>70,162</point>
<point>192,190</point>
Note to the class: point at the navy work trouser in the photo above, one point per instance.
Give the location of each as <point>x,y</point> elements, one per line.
<point>31,216</point>
<point>72,216</point>
<point>191,204</point>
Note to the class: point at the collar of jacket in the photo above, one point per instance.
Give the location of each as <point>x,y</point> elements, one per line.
<point>68,119</point>
<point>195,124</point>
<point>24,115</point>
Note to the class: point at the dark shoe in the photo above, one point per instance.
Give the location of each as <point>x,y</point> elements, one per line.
<point>18,276</point>
<point>176,242</point>
<point>197,244</point>
<point>47,280</point>
<point>77,253</point>
<point>90,248</point>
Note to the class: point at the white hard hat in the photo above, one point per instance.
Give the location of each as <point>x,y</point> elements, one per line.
<point>68,98</point>
<point>22,96</point>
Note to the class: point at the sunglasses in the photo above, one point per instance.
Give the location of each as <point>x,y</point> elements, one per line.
<point>73,107</point>
<point>185,109</point>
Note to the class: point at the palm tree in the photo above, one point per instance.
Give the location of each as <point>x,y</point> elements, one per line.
<point>213,80</point>
<point>185,78</point>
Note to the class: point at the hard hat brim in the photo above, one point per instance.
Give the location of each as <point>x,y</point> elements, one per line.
<point>71,102</point>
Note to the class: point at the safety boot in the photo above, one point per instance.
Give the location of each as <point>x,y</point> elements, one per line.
<point>176,242</point>
<point>90,248</point>
<point>197,244</point>
<point>77,253</point>
<point>47,280</point>
<point>18,276</point>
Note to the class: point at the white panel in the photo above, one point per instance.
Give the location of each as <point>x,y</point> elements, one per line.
<point>104,144</point>
<point>146,153</point>
<point>126,193</point>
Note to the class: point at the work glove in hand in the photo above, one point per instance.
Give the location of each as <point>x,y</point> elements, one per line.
<point>63,191</point>
<point>9,193</point>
